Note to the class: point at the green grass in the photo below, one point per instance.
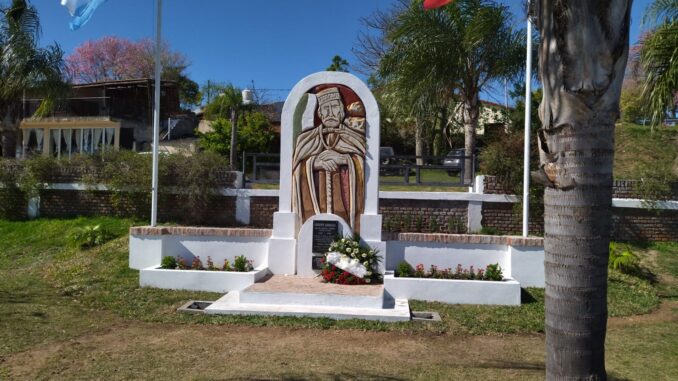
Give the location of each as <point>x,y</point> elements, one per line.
<point>638,150</point>
<point>43,273</point>
<point>51,293</point>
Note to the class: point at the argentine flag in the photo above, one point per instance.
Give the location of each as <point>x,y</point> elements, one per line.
<point>81,10</point>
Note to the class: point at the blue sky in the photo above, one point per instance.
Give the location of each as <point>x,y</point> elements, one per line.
<point>273,42</point>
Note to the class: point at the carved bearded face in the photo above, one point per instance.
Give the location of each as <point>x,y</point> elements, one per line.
<point>331,113</point>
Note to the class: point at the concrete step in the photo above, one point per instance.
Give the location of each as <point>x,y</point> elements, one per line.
<point>299,291</point>
<point>230,304</point>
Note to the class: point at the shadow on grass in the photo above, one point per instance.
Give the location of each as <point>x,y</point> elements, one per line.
<point>526,297</point>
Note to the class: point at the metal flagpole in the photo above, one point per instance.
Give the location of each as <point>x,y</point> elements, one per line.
<point>156,117</point>
<point>528,123</point>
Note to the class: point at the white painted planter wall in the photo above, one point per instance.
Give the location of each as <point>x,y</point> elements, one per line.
<point>453,291</point>
<point>148,251</point>
<point>196,280</point>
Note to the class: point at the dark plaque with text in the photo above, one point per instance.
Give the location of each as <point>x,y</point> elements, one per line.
<point>317,262</point>
<point>324,232</point>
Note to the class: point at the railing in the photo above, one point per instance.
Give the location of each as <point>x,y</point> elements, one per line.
<point>71,107</point>
<point>400,170</point>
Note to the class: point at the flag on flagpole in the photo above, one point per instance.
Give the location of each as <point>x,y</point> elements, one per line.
<point>81,10</point>
<point>432,4</point>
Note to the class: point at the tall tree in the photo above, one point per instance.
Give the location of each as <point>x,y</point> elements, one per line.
<point>113,58</point>
<point>338,64</point>
<point>583,55</point>
<point>453,52</point>
<point>24,66</point>
<point>659,59</point>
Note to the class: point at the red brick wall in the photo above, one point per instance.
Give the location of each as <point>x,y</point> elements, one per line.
<point>426,216</point>
<point>261,211</point>
<point>13,204</point>
<point>507,219</point>
<point>217,211</point>
<point>644,225</point>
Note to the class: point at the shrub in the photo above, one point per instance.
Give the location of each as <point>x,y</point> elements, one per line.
<point>197,264</point>
<point>404,269</point>
<point>623,260</point>
<point>210,264</point>
<point>181,263</point>
<point>226,266</point>
<point>90,236</point>
<point>494,272</point>
<point>242,264</point>
<point>169,263</point>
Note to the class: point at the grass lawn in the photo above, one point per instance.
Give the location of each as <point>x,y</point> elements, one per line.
<point>638,151</point>
<point>79,314</point>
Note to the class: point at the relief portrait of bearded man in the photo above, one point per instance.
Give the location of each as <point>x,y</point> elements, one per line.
<point>328,164</point>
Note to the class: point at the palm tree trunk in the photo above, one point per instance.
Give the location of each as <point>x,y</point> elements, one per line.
<point>471,113</point>
<point>584,47</point>
<point>8,134</point>
<point>419,141</point>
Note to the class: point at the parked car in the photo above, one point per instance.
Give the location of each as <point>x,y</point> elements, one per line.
<point>454,161</point>
<point>390,164</point>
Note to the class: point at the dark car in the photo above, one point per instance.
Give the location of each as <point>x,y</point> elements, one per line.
<point>454,161</point>
<point>390,164</point>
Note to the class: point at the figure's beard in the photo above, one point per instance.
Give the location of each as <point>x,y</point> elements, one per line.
<point>331,122</point>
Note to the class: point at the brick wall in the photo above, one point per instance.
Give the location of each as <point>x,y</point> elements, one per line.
<point>424,216</point>
<point>13,204</point>
<point>506,219</point>
<point>261,211</point>
<point>216,211</point>
<point>644,225</point>
<point>620,188</point>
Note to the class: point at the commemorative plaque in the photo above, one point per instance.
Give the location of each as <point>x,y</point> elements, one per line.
<point>324,232</point>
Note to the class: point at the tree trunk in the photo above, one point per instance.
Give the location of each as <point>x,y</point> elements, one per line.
<point>419,141</point>
<point>471,112</point>
<point>8,133</point>
<point>584,47</point>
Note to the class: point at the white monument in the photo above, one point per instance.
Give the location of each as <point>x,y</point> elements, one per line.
<point>329,171</point>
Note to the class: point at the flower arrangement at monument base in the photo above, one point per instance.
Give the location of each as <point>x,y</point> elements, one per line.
<point>348,262</point>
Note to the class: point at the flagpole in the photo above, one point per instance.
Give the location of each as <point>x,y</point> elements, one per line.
<point>528,125</point>
<point>156,117</point>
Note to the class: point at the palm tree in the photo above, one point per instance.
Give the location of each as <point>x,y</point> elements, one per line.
<point>454,52</point>
<point>228,104</point>
<point>338,64</point>
<point>24,66</point>
<point>659,59</point>
<point>583,54</point>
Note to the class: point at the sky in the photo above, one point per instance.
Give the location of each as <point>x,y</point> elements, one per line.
<point>274,43</point>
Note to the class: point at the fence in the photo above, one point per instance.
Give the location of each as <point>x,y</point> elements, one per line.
<point>403,170</point>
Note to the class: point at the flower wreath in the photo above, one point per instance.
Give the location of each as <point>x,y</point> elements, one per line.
<point>350,263</point>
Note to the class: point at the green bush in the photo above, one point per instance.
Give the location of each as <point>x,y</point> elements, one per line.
<point>404,270</point>
<point>494,272</point>
<point>242,264</point>
<point>488,230</point>
<point>90,236</point>
<point>169,263</point>
<point>623,260</point>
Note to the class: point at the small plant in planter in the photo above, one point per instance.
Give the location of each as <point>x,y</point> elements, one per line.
<point>404,270</point>
<point>181,264</point>
<point>197,264</point>
<point>348,262</point>
<point>169,263</point>
<point>210,264</point>
<point>242,264</point>
<point>226,266</point>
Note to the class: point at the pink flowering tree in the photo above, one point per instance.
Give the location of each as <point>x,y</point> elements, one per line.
<point>113,58</point>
